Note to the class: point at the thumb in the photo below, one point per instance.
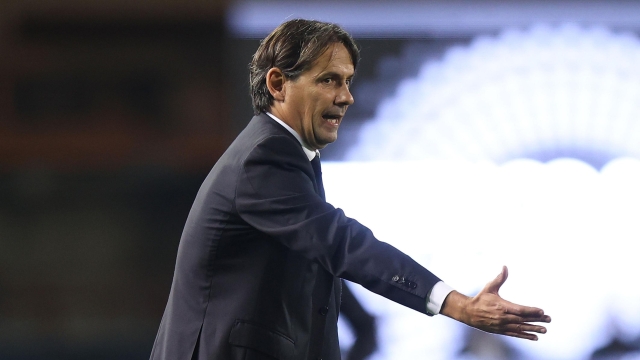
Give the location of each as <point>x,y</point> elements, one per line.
<point>495,284</point>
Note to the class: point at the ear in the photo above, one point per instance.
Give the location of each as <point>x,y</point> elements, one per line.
<point>275,83</point>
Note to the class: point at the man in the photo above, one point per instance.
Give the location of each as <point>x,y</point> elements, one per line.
<point>259,261</point>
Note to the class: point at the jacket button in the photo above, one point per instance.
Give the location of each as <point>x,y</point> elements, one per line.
<point>324,310</point>
<point>395,278</point>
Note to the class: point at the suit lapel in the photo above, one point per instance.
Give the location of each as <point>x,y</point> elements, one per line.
<point>315,162</point>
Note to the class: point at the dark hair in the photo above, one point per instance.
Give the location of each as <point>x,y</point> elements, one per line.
<point>293,47</point>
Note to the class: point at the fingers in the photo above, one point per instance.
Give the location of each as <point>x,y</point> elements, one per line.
<point>513,319</point>
<point>524,331</point>
<point>527,336</point>
<point>524,327</point>
<point>495,284</point>
<point>521,330</point>
<point>528,317</point>
<point>528,314</point>
<point>544,319</point>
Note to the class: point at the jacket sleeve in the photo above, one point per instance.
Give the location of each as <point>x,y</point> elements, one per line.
<point>275,194</point>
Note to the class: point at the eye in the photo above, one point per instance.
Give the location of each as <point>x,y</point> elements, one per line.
<point>348,82</point>
<point>327,80</point>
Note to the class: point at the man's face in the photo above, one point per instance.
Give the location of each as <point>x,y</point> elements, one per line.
<point>315,103</point>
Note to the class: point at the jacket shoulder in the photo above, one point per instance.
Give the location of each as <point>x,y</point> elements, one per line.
<point>263,135</point>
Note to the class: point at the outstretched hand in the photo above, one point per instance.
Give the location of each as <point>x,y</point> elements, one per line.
<point>488,312</point>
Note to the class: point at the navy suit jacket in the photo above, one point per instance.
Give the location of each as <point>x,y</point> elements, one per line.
<point>259,261</point>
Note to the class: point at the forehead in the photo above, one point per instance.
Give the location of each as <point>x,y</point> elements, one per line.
<point>336,58</point>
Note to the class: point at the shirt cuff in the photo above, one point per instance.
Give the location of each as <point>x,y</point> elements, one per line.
<point>436,297</point>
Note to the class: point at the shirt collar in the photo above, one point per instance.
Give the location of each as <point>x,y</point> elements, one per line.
<point>309,152</point>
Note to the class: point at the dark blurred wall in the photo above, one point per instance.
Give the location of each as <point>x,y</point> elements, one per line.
<point>111,114</point>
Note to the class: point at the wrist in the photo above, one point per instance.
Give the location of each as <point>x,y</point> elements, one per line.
<point>455,305</point>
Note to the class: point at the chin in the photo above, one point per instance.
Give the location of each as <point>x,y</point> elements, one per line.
<point>326,142</point>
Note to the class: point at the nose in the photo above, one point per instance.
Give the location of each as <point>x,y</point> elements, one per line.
<point>344,96</point>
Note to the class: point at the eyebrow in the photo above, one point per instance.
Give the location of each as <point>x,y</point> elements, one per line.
<point>334,74</point>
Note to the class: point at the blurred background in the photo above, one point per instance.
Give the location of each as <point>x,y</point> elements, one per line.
<point>509,125</point>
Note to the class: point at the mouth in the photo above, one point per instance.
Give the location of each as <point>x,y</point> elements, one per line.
<point>333,119</point>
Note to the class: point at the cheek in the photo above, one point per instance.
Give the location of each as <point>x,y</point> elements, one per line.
<point>318,120</point>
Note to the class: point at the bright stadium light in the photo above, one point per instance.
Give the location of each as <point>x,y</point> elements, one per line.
<point>567,232</point>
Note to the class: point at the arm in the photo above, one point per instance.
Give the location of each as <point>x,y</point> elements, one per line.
<point>275,195</point>
<point>488,312</point>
